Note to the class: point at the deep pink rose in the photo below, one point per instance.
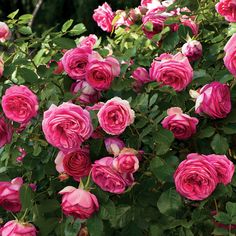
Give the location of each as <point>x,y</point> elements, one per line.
<point>224,167</point>
<point>126,162</point>
<point>10,195</point>
<point>1,67</point>
<point>190,22</point>
<point>5,33</point>
<point>67,126</point>
<point>181,125</point>
<point>88,41</point>
<point>196,178</point>
<point>172,70</point>
<point>114,145</point>
<point>78,202</point>
<point>230,58</point>
<point>192,50</point>
<point>6,131</point>
<point>115,115</point>
<point>104,16</point>
<point>75,61</point>
<point>20,104</point>
<point>214,100</point>
<point>17,228</point>
<point>141,75</point>
<point>108,179</point>
<point>227,9</point>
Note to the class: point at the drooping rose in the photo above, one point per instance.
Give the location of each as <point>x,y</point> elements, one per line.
<point>104,16</point>
<point>115,115</point>
<point>181,125</point>
<point>5,33</point>
<point>196,178</point>
<point>214,100</point>
<point>17,228</point>
<point>10,195</point>
<point>88,41</point>
<point>227,9</point>
<point>78,202</point>
<point>192,50</point>
<point>172,70</point>
<point>229,58</point>
<point>20,104</point>
<point>114,145</point>
<point>67,126</point>
<point>6,131</point>
<point>1,67</point>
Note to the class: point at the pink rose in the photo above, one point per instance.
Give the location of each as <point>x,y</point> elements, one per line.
<point>227,9</point>
<point>172,70</point>
<point>229,59</point>
<point>109,179</point>
<point>75,61</point>
<point>195,178</point>
<point>5,33</point>
<point>214,100</point>
<point>88,41</point>
<point>224,167</point>
<point>115,115</point>
<point>191,23</point>
<point>17,228</point>
<point>78,202</point>
<point>181,125</point>
<point>114,145</point>
<point>122,18</point>
<point>192,50</point>
<point>20,104</point>
<point>67,126</point>
<point>104,16</point>
<point>1,67</point>
<point>59,68</point>
<point>141,75</point>
<point>101,72</point>
<point>6,131</point>
<point>126,162</point>
<point>59,162</point>
<point>10,195</point>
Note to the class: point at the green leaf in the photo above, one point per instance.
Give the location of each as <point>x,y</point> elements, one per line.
<point>77,29</point>
<point>25,30</point>
<point>206,133</point>
<point>107,210</point>
<point>223,218</point>
<point>28,75</point>
<point>231,208</point>
<point>26,197</point>
<point>219,144</point>
<point>95,226</point>
<point>170,41</point>
<point>122,217</point>
<point>64,43</point>
<point>49,205</point>
<point>149,26</point>
<point>72,227</point>
<point>13,14</point>
<point>67,25</point>
<point>26,17</point>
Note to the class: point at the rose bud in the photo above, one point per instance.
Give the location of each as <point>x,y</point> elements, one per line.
<point>114,145</point>
<point>192,50</point>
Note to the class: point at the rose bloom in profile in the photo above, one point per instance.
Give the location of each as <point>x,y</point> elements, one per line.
<point>192,50</point>
<point>20,104</point>
<point>227,9</point>
<point>6,132</point>
<point>214,100</point>
<point>17,228</point>
<point>181,125</point>
<point>196,178</point>
<point>10,195</point>
<point>1,67</point>
<point>115,115</point>
<point>114,145</point>
<point>104,16</point>
<point>67,126</point>
<point>5,33</point>
<point>78,202</point>
<point>229,58</point>
<point>88,41</point>
<point>190,22</point>
<point>172,70</point>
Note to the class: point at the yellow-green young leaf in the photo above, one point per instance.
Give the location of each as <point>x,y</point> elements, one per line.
<point>77,29</point>
<point>25,30</point>
<point>67,25</point>
<point>13,14</point>
<point>25,17</point>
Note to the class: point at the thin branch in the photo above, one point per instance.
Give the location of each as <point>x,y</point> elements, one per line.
<point>36,9</point>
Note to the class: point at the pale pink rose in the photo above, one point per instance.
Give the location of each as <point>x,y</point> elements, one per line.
<point>23,153</point>
<point>104,16</point>
<point>192,50</point>
<point>214,100</point>
<point>115,115</point>
<point>75,61</point>
<point>195,178</point>
<point>227,9</point>
<point>20,104</point>
<point>191,23</point>
<point>5,33</point>
<point>114,145</point>
<point>87,93</point>
<point>181,125</point>
<point>88,41</point>
<point>78,202</point>
<point>6,132</point>
<point>10,194</point>
<point>122,18</point>
<point>17,228</point>
<point>59,162</point>
<point>1,67</point>
<point>67,126</point>
<point>229,59</point>
<point>224,167</point>
<point>172,70</point>
<point>126,162</point>
<point>109,179</point>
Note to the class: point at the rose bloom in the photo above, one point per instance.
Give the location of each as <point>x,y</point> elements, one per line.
<point>75,61</point>
<point>189,21</point>
<point>115,115</point>
<point>224,167</point>
<point>5,33</point>
<point>67,126</point>
<point>114,145</point>
<point>78,202</point>
<point>20,104</point>
<point>192,50</point>
<point>172,70</point>
<point>214,100</point>
<point>227,9</point>
<point>6,131</point>
<point>88,41</point>
<point>10,195</point>
<point>16,228</point>
<point>230,59</point>
<point>101,72</point>
<point>104,16</point>
<point>196,178</point>
<point>181,125</point>
<point>107,178</point>
<point>1,67</point>
<point>126,162</point>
